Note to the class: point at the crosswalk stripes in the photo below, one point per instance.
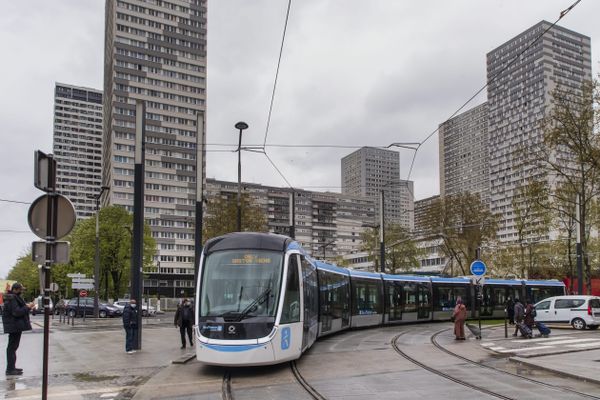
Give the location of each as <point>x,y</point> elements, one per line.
<point>554,343</point>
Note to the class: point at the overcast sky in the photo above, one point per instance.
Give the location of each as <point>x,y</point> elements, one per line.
<point>353,73</point>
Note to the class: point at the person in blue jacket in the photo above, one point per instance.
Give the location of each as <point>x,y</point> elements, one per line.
<point>15,320</point>
<point>130,323</point>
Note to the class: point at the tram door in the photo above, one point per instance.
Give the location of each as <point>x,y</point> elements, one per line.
<point>424,303</point>
<point>395,301</point>
<point>311,303</point>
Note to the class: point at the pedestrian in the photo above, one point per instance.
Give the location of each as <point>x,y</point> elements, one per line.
<point>130,323</point>
<point>15,320</point>
<point>510,311</point>
<point>530,314</point>
<point>459,315</point>
<point>184,319</point>
<point>519,314</point>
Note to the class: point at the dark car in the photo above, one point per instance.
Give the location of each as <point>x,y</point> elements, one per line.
<point>87,305</point>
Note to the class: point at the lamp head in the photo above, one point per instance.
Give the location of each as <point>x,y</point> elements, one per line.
<point>241,126</point>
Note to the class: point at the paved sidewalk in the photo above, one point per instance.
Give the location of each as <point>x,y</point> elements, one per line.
<point>580,365</point>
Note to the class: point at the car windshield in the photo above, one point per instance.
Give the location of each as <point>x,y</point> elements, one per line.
<point>240,284</point>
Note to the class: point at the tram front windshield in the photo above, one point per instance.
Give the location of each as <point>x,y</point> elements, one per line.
<point>241,284</point>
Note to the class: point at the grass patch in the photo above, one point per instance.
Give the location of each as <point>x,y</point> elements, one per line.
<point>86,377</point>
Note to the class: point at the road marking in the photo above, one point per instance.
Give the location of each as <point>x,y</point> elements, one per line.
<point>487,344</point>
<point>496,348</point>
<point>581,345</point>
<point>571,341</point>
<point>525,349</point>
<point>111,395</point>
<point>548,339</point>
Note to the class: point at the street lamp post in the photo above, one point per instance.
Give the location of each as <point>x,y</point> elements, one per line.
<point>97,251</point>
<point>241,126</point>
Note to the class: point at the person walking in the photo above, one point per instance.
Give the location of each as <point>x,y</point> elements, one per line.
<point>130,323</point>
<point>459,315</point>
<point>510,311</point>
<point>15,320</point>
<point>184,319</point>
<point>530,314</point>
<point>519,314</point>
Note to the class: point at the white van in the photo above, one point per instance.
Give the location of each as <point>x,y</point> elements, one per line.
<point>578,311</point>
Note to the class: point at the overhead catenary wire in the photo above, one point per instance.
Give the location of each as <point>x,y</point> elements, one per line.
<point>285,25</point>
<point>563,13</point>
<point>15,201</point>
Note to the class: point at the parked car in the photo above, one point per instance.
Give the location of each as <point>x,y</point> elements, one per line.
<point>578,311</point>
<point>38,306</point>
<point>86,305</point>
<point>146,311</point>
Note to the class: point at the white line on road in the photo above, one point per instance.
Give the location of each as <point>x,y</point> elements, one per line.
<point>525,349</point>
<point>597,343</point>
<point>571,341</point>
<point>548,339</point>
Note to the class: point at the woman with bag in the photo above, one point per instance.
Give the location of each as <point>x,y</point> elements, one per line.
<point>459,316</point>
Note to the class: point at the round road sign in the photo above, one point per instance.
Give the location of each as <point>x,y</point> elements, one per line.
<point>478,268</point>
<point>36,217</point>
<point>83,293</point>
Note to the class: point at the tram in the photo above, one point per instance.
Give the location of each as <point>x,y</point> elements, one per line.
<point>261,299</point>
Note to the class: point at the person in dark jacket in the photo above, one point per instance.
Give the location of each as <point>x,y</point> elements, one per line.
<point>530,313</point>
<point>130,323</point>
<point>519,312</point>
<point>15,320</point>
<point>184,319</point>
<point>510,311</point>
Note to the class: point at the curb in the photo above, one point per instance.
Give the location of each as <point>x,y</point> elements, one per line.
<point>184,359</point>
<point>558,372</point>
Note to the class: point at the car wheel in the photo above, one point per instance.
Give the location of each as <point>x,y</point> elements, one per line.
<point>593,327</point>
<point>578,324</point>
<point>144,313</point>
<point>102,314</point>
<point>72,313</point>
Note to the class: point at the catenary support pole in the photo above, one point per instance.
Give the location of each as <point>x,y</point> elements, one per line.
<point>578,248</point>
<point>292,206</point>
<point>200,174</point>
<point>382,231</point>
<point>137,250</point>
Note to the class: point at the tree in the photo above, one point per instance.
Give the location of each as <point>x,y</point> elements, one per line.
<point>221,216</point>
<point>115,248</point>
<point>569,155</point>
<point>401,252</point>
<point>464,223</point>
<point>26,272</point>
<point>532,219</point>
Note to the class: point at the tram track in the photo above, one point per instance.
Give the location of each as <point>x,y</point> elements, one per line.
<point>535,381</point>
<point>443,374</point>
<point>302,382</point>
<point>226,392</point>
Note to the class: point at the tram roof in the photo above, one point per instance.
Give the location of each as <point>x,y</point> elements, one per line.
<point>364,274</point>
<point>514,282</point>
<point>450,280</point>
<point>330,267</point>
<point>409,278</point>
<point>544,283</point>
<point>248,240</point>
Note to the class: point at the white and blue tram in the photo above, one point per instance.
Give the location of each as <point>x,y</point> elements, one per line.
<point>262,300</point>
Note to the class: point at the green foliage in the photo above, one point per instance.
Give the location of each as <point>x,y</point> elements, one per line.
<point>26,272</point>
<point>221,216</point>
<point>464,223</point>
<point>115,249</point>
<point>401,253</point>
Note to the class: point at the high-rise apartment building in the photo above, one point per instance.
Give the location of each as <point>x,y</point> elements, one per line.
<point>77,145</point>
<point>519,97</point>
<point>464,153</point>
<point>155,51</point>
<point>368,171</point>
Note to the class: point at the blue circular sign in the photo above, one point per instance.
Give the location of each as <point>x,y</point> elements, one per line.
<point>478,268</point>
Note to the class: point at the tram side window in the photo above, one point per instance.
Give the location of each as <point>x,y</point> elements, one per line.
<point>410,297</point>
<point>536,294</point>
<point>366,297</point>
<point>291,303</point>
<point>338,295</point>
<point>324,293</point>
<point>311,291</point>
<point>447,295</point>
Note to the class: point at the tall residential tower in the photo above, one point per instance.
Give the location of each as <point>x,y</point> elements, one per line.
<point>519,98</point>
<point>368,171</point>
<point>464,154</point>
<point>78,145</point>
<point>155,51</point>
